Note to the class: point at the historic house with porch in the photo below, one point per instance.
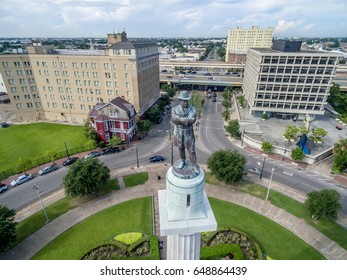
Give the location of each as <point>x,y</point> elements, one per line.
<point>114,118</point>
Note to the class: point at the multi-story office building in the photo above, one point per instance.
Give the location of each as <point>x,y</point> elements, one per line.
<point>288,84</point>
<point>240,40</point>
<point>49,84</point>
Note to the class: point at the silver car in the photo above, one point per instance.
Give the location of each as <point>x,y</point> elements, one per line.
<point>21,179</point>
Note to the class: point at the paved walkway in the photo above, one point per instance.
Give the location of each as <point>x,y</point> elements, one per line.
<point>42,237</point>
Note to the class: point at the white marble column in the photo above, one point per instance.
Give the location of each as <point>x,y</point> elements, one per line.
<point>183,247</point>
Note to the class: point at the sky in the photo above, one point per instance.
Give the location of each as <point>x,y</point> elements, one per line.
<point>171,18</point>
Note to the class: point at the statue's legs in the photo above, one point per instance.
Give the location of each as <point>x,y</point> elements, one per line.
<point>182,157</point>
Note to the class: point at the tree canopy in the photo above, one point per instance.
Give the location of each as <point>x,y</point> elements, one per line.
<point>85,177</point>
<point>340,153</point>
<point>228,166</point>
<point>323,204</point>
<point>7,228</point>
<point>143,126</point>
<point>233,128</point>
<point>297,154</point>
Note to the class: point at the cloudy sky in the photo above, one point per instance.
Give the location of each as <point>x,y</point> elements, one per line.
<point>170,18</point>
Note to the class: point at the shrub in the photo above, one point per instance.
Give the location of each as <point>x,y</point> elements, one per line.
<point>220,251</point>
<point>266,147</point>
<point>129,237</point>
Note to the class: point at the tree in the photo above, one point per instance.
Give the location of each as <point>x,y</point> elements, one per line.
<point>340,153</point>
<point>143,126</point>
<point>323,204</point>
<point>85,177</point>
<point>226,104</point>
<point>317,134</point>
<point>171,92</point>
<point>228,166</point>
<point>7,228</point>
<point>153,114</point>
<point>241,100</point>
<point>291,132</point>
<point>297,154</point>
<point>233,128</point>
<point>91,144</point>
<point>23,164</point>
<point>115,141</point>
<point>89,131</point>
<point>226,115</point>
<point>52,155</point>
<point>266,147</point>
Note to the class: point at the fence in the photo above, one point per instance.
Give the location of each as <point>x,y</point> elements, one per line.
<point>42,160</point>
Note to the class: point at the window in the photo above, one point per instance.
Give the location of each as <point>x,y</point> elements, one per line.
<point>95,74</point>
<point>16,63</point>
<point>55,64</point>
<point>74,65</point>
<point>109,91</point>
<point>19,72</point>
<point>29,72</point>
<point>63,64</point>
<point>107,75</point>
<point>56,72</point>
<point>108,83</point>
<point>18,105</point>
<point>4,64</point>
<point>96,83</point>
<point>30,104</point>
<point>113,113</point>
<point>93,65</point>
<point>11,81</point>
<point>59,81</point>
<point>107,65</point>
<point>13,89</point>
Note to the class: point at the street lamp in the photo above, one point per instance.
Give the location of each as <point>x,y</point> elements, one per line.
<point>262,168</point>
<point>269,186</point>
<point>43,206</point>
<point>137,158</point>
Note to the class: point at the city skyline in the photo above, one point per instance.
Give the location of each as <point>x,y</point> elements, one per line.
<point>170,18</point>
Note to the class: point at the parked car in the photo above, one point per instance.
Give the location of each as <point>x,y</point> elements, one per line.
<point>169,77</point>
<point>110,150</point>
<point>92,154</point>
<point>21,179</point>
<point>339,127</point>
<point>4,124</point>
<point>47,169</point>
<point>156,158</point>
<point>70,161</point>
<point>3,188</point>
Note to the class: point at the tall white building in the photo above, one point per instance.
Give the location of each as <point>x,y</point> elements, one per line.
<point>241,39</point>
<point>288,84</point>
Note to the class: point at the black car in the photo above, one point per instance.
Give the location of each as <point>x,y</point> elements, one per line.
<point>4,124</point>
<point>214,99</point>
<point>3,188</point>
<point>156,158</point>
<point>70,161</point>
<point>110,150</point>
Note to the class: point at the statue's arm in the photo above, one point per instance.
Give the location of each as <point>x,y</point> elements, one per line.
<point>192,116</point>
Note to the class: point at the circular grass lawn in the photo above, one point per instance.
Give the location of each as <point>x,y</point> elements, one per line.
<point>136,215</point>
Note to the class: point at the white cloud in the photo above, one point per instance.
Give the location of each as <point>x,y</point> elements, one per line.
<point>173,17</point>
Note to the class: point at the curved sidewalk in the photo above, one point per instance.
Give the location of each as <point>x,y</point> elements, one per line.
<point>42,237</point>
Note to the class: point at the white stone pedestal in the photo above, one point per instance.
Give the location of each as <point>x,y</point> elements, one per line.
<point>184,212</point>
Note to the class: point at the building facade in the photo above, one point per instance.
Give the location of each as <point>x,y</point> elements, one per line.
<point>114,118</point>
<point>241,39</point>
<point>288,84</point>
<point>63,85</point>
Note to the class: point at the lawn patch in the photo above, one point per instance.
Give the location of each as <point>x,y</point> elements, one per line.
<point>135,179</point>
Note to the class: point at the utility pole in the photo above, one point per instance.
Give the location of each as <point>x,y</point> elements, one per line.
<point>262,169</point>
<point>269,186</point>
<point>67,153</point>
<point>137,158</point>
<point>242,136</point>
<point>43,206</point>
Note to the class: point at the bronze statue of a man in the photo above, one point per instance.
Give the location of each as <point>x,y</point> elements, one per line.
<point>183,116</point>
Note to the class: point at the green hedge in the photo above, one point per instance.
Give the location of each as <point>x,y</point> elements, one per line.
<point>220,251</point>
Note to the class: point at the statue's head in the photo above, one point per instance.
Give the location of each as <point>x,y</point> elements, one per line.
<point>184,98</point>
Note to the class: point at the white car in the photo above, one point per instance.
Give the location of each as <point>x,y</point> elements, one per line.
<point>21,179</point>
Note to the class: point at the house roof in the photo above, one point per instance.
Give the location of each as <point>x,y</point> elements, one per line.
<point>117,102</point>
